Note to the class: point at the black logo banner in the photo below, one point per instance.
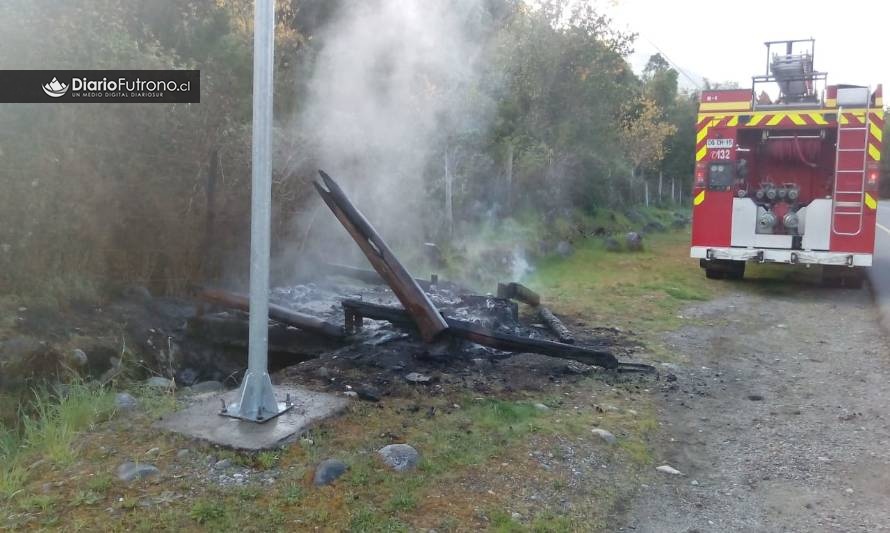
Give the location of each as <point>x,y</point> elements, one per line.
<point>100,86</point>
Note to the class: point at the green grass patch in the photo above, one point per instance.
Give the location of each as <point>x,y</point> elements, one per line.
<point>47,431</point>
<point>643,291</point>
<point>210,513</point>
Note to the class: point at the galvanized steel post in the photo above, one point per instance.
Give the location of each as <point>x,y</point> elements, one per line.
<point>257,398</point>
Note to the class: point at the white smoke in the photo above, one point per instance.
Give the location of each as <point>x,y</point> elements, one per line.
<point>391,85</point>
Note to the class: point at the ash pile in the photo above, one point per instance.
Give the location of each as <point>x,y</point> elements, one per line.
<point>384,326</point>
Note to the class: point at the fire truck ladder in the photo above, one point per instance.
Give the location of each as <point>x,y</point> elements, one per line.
<point>849,193</point>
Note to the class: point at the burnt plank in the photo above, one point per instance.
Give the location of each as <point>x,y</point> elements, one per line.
<point>276,312</point>
<point>486,337</point>
<point>555,325</point>
<point>413,299</point>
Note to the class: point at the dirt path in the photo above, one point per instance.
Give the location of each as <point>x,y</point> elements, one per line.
<point>780,420</point>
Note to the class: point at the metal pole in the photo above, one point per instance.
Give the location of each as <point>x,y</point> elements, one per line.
<point>257,399</point>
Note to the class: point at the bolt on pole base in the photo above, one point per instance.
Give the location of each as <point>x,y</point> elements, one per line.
<point>257,400</point>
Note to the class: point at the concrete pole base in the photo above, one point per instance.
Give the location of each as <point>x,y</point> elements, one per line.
<point>257,401</point>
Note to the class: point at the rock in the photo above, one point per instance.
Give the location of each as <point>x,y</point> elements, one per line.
<point>694,483</point>
<point>205,387</point>
<point>541,407</point>
<point>668,469</point>
<point>323,372</point>
<point>78,358</point>
<point>368,393</point>
<point>564,248</point>
<point>222,464</point>
<point>154,452</point>
<point>605,435</point>
<point>612,245</point>
<point>350,393</point>
<point>415,377</point>
<point>158,382</point>
<point>132,471</point>
<point>328,471</point>
<point>183,453</point>
<point>633,241</point>
<point>399,457</point>
<point>515,516</point>
<point>124,401</point>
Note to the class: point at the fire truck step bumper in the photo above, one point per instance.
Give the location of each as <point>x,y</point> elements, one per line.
<point>767,255</point>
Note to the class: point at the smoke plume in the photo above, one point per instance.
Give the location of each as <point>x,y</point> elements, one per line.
<point>391,85</point>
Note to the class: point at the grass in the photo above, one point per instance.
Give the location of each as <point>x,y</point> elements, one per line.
<point>209,512</point>
<point>48,430</point>
<point>641,291</point>
<point>476,451</point>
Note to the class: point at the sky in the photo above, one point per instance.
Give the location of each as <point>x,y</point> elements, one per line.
<point>723,41</point>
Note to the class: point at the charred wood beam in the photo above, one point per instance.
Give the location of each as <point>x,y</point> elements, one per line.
<point>486,337</point>
<point>518,292</point>
<point>556,325</point>
<point>276,312</point>
<point>425,315</point>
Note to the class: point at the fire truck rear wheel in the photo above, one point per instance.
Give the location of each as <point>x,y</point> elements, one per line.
<point>736,270</point>
<point>713,273</point>
<point>837,277</point>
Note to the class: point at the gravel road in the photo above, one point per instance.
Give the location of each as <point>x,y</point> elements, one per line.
<point>780,420</point>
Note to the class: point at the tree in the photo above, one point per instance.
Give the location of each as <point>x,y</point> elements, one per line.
<point>644,135</point>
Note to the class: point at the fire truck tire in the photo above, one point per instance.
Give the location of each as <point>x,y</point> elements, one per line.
<point>713,273</point>
<point>837,277</point>
<point>854,282</point>
<point>736,270</point>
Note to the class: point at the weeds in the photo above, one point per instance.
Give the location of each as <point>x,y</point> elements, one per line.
<point>267,460</point>
<point>49,426</point>
<point>208,512</point>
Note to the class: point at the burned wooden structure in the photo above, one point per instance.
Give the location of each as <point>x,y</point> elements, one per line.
<point>422,311</point>
<point>417,311</point>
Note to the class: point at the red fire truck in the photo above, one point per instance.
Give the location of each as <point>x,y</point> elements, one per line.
<point>790,177</point>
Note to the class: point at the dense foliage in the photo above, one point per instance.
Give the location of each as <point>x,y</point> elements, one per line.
<point>121,193</point>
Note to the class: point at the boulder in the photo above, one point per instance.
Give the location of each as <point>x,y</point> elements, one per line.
<point>399,457</point>
<point>125,402</point>
<point>633,241</point>
<point>328,471</point>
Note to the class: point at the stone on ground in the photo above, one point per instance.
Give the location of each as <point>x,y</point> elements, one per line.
<point>125,402</point>
<point>607,436</point>
<point>328,471</point>
<point>130,471</point>
<point>399,457</point>
<point>668,469</point>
